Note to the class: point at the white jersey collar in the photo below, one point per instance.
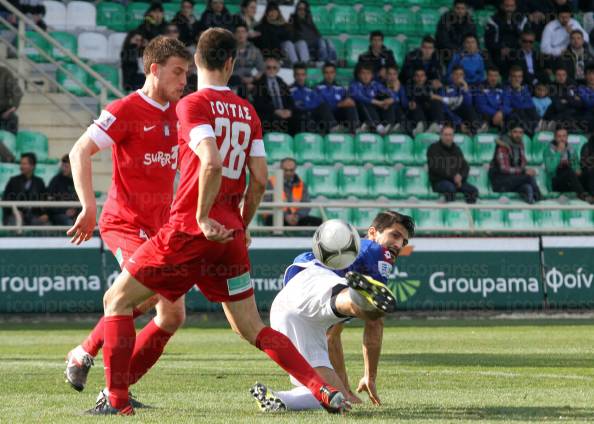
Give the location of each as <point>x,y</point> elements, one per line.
<point>214,87</point>
<point>153,102</point>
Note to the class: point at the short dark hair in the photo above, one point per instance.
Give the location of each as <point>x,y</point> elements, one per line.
<point>389,218</point>
<point>564,8</point>
<point>154,7</point>
<point>428,39</point>
<point>470,35</point>
<point>560,127</point>
<point>299,65</point>
<point>492,69</point>
<point>464,2</point>
<point>515,68</point>
<point>65,159</point>
<point>576,31</point>
<point>363,66</point>
<point>288,158</point>
<point>457,68</point>
<point>160,49</point>
<point>31,157</point>
<point>528,32</point>
<point>590,68</point>
<point>329,65</point>
<point>393,66</point>
<point>215,47</point>
<point>446,125</point>
<point>241,24</point>
<point>374,34</point>
<point>419,70</point>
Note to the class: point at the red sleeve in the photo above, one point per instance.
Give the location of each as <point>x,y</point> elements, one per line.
<point>111,126</point>
<point>195,120</point>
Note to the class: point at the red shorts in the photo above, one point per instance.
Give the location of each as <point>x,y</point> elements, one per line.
<point>122,240</point>
<point>172,262</point>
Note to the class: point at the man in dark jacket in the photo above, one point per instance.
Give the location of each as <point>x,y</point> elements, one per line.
<point>576,58</point>
<point>154,22</point>
<point>448,169</point>
<point>533,63</point>
<point>378,56</point>
<point>587,165</point>
<point>426,109</point>
<point>453,26</point>
<point>26,186</point>
<point>187,23</point>
<point>272,99</point>
<point>566,108</point>
<point>10,98</point>
<point>61,189</point>
<point>426,58</point>
<point>508,171</point>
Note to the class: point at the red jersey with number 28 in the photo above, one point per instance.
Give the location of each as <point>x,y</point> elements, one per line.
<point>215,112</point>
<point>143,137</point>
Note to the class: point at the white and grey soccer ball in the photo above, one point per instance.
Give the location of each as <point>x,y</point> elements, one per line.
<point>336,244</point>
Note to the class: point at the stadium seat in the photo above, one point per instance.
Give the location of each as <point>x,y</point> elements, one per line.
<point>278,146</point>
<point>46,171</point>
<point>233,9</point>
<point>488,219</point>
<point>579,218</point>
<point>428,219</point>
<point>370,148</point>
<point>544,184</point>
<point>363,217</point>
<point>32,141</point>
<point>352,181</point>
<point>171,10</point>
<point>338,213</point>
<point>465,144</point>
<point>549,219</point>
<point>66,40</point>
<point>93,46</point>
<point>383,181</point>
<point>309,147</point>
<point>354,47</point>
<point>414,181</point>
<point>343,19</point>
<point>400,148</point>
<point>340,148</point>
<point>135,14</point>
<point>577,141</point>
<point>7,171</point>
<point>428,20</point>
<point>480,19</point>
<point>314,77</point>
<point>110,73</point>
<point>55,15</point>
<point>68,83</point>
<point>344,75</point>
<point>9,141</point>
<point>199,9</point>
<point>372,18</point>
<point>484,148</point>
<point>398,47</point>
<point>80,14</point>
<point>519,219</point>
<point>456,218</point>
<point>535,149</point>
<point>115,41</point>
<point>322,181</point>
<point>321,17</point>
<point>34,44</point>
<point>339,46</point>
<point>404,21</point>
<point>422,143</point>
<point>479,177</point>
<point>111,15</point>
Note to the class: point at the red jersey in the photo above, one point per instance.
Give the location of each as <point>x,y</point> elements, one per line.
<point>218,113</point>
<point>143,137</point>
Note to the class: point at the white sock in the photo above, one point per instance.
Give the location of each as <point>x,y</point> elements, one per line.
<point>78,352</point>
<point>299,399</point>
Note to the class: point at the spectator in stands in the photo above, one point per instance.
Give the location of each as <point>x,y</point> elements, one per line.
<point>586,96</point>
<point>576,58</point>
<point>379,57</point>
<point>531,60</point>
<point>216,15</point>
<point>556,35</point>
<point>275,35</point>
<point>249,63</point>
<point>542,102</point>
<point>61,189</point>
<point>187,23</point>
<point>457,100</point>
<point>491,100</point>
<point>374,101</point>
<point>172,31</point>
<point>311,112</point>
<point>247,15</point>
<point>541,12</point>
<point>503,32</point>
<point>294,190</point>
<point>398,93</point>
<point>520,100</point>
<point>25,186</point>
<point>448,169</point>
<point>453,26</point>
<point>587,165</point>
<point>272,99</point>
<point>154,22</point>
<point>426,110</point>
<point>308,40</point>
<point>131,59</point>
<point>424,57</point>
<point>337,97</point>
<point>10,99</point>
<point>566,105</point>
<point>508,171</point>
<point>471,59</point>
<point>35,10</point>
<point>562,165</point>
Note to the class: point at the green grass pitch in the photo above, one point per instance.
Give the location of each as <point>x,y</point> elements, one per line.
<point>431,372</point>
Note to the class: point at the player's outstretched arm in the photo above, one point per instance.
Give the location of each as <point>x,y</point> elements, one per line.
<point>82,174</point>
<point>256,188</point>
<point>336,354</point>
<point>372,347</point>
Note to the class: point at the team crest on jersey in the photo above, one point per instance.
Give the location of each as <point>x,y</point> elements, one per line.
<point>384,268</point>
<point>105,120</point>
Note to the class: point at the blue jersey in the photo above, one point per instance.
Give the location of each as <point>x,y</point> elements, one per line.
<point>373,260</point>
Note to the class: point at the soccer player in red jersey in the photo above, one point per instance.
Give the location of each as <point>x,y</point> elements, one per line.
<point>205,239</point>
<point>141,129</point>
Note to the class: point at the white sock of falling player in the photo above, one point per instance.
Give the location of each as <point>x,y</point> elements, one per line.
<point>298,399</point>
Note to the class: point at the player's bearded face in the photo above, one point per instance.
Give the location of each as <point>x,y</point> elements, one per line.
<point>172,77</point>
<point>392,238</point>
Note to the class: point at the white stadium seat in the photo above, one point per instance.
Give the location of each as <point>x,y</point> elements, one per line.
<point>80,14</point>
<point>93,46</point>
<point>114,45</point>
<point>55,14</point>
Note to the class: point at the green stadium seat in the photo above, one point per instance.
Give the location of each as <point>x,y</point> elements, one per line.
<point>480,19</point>
<point>343,19</point>
<point>519,219</point>
<point>535,149</point>
<point>428,219</point>
<point>404,21</point>
<point>363,217</point>
<point>578,218</point>
<point>199,8</point>
<point>66,40</point>
<point>383,181</point>
<point>576,141</point>
<point>339,46</point>
<point>456,218</point>
<point>278,146</point>
<point>32,141</point>
<point>398,47</point>
<point>465,144</point>
<point>321,17</point>
<point>415,181</point>
<point>309,147</point>
<point>135,14</point>
<point>479,177</point>
<point>110,73</point>
<point>46,172</point>
<point>33,44</point>
<point>355,46</point>
<point>340,148</point>
<point>352,181</point>
<point>322,181</point>
<point>7,171</point>
<point>68,83</point>
<point>338,213</point>
<point>400,148</point>
<point>544,184</point>
<point>9,141</point>
<point>111,15</point>
<point>373,19</point>
<point>422,143</point>
<point>488,219</point>
<point>429,18</point>
<point>233,9</point>
<point>484,148</point>
<point>549,219</point>
<point>171,10</point>
<point>344,76</point>
<point>370,148</point>
<point>314,77</point>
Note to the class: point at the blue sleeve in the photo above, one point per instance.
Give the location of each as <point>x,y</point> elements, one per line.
<point>507,108</point>
<point>403,97</point>
<point>455,61</point>
<point>483,105</point>
<point>358,94</point>
<point>372,261</point>
<point>317,99</point>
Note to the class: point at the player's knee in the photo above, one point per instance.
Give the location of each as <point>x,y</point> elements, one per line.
<point>116,303</point>
<point>172,319</point>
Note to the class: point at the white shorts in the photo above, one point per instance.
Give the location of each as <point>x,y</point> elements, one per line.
<point>303,311</point>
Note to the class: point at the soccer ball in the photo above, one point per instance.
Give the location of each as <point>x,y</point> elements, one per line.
<point>336,244</point>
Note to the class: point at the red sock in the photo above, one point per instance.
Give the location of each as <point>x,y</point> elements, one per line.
<point>94,341</point>
<point>149,346</point>
<point>117,351</point>
<point>282,351</point>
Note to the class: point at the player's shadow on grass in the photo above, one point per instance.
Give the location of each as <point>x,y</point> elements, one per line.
<point>491,360</point>
<point>503,413</point>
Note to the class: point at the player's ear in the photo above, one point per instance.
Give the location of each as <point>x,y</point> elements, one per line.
<point>154,68</point>
<point>371,233</point>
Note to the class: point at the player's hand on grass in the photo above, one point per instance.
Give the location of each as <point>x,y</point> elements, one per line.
<point>353,398</point>
<point>215,231</point>
<point>82,230</point>
<point>368,385</point>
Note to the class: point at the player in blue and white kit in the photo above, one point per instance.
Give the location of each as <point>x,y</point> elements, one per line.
<point>311,308</point>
